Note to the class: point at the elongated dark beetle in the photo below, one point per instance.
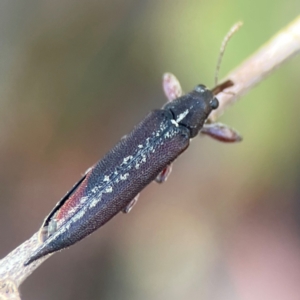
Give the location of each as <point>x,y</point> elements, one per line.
<point>146,154</point>
<point>113,184</point>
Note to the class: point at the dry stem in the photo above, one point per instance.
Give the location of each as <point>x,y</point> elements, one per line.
<point>269,57</point>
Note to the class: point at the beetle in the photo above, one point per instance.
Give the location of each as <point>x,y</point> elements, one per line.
<point>113,184</point>
<point>146,154</point>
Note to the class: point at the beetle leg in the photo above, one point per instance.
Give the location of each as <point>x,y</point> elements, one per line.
<point>171,86</point>
<point>164,174</point>
<point>43,234</point>
<point>48,230</point>
<point>52,227</point>
<point>221,132</point>
<point>131,204</point>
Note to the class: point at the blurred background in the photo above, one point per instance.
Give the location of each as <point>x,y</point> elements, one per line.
<point>75,76</point>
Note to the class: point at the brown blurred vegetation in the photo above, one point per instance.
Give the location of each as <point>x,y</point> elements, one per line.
<point>75,76</point>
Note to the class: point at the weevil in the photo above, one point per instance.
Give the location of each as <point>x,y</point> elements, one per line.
<point>146,154</point>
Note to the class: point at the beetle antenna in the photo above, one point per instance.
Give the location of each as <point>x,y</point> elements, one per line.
<point>226,39</point>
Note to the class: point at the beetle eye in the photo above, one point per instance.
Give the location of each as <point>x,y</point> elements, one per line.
<point>200,88</point>
<point>214,103</point>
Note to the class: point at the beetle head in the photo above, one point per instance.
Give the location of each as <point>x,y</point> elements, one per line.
<point>193,109</point>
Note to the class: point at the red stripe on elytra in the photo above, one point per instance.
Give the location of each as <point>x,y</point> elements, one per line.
<point>73,203</point>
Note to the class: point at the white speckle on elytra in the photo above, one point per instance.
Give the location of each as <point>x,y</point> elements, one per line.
<point>67,227</point>
<point>70,212</point>
<point>126,159</point>
<point>124,177</point>
<point>106,178</point>
<point>94,190</point>
<point>109,189</point>
<point>74,219</point>
<point>83,199</point>
<point>94,202</point>
<point>140,146</point>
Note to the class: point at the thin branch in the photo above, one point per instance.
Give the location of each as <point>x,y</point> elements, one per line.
<point>279,49</point>
<point>12,270</point>
<point>269,57</point>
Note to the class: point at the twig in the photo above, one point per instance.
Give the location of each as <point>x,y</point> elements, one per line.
<point>279,49</point>
<point>12,270</point>
<point>269,57</point>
